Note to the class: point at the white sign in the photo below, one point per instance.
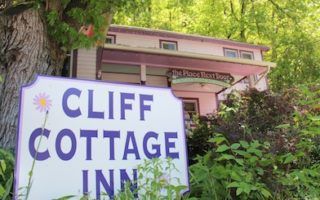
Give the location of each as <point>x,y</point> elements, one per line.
<point>95,135</point>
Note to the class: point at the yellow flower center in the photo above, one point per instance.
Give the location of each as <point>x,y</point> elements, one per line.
<point>43,102</point>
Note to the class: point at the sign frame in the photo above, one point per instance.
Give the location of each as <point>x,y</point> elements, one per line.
<point>38,78</point>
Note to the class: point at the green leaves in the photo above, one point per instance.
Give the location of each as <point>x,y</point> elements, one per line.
<point>5,190</point>
<point>6,174</point>
<point>288,27</point>
<point>217,139</point>
<point>226,157</point>
<point>67,197</point>
<point>244,144</point>
<point>3,168</point>
<point>284,126</point>
<point>222,148</point>
<point>238,166</point>
<point>255,151</point>
<point>243,187</point>
<point>66,23</point>
<point>281,163</point>
<point>235,146</point>
<point>265,193</point>
<point>288,158</point>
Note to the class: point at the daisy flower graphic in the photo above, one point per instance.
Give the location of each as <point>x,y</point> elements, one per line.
<point>42,102</point>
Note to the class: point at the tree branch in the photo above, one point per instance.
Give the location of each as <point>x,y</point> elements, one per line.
<point>281,9</point>
<point>232,10</point>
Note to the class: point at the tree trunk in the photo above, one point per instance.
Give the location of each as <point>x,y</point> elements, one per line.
<point>25,50</point>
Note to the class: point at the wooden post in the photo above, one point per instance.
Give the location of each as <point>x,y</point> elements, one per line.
<point>143,74</point>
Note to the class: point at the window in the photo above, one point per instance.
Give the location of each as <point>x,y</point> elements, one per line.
<point>110,39</point>
<point>121,73</point>
<point>190,108</point>
<point>246,55</point>
<point>169,45</point>
<point>231,53</point>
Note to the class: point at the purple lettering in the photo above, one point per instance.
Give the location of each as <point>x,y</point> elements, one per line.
<point>66,133</point>
<point>155,147</point>
<point>88,134</point>
<point>124,105</point>
<point>33,151</point>
<point>91,113</point>
<point>124,177</point>
<point>109,188</point>
<point>169,145</point>
<point>66,109</point>
<point>85,182</point>
<point>143,107</point>
<point>112,135</point>
<point>134,150</point>
<point>110,105</point>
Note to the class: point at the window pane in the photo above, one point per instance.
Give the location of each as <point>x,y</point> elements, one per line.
<point>190,106</point>
<point>231,53</point>
<point>110,39</point>
<point>169,45</point>
<point>247,56</point>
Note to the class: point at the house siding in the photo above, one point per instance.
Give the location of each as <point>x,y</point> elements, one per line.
<point>134,40</point>
<point>86,63</point>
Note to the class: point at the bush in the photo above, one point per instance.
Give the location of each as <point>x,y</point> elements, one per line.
<point>197,140</point>
<point>264,146</point>
<point>6,174</point>
<point>256,115</point>
<point>154,182</point>
<point>231,170</point>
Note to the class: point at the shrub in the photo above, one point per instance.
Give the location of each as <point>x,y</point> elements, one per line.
<point>231,170</point>
<point>197,140</point>
<point>6,174</point>
<point>154,182</point>
<point>264,146</point>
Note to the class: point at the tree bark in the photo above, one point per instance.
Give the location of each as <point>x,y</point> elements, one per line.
<point>25,50</point>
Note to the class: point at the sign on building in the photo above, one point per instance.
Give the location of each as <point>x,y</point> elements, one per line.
<point>192,76</point>
<point>89,136</point>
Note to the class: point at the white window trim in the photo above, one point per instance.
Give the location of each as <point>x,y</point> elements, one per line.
<point>189,123</point>
<point>225,50</point>
<point>248,53</point>
<point>112,37</point>
<point>195,101</point>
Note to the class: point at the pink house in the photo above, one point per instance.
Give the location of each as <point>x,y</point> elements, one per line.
<point>200,70</point>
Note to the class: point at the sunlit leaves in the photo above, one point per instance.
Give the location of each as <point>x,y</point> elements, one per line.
<point>290,28</point>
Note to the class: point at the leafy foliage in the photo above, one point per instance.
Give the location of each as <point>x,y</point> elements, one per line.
<point>66,18</point>
<point>200,135</point>
<point>289,27</point>
<point>6,174</point>
<point>253,161</point>
<point>154,182</point>
<point>231,170</point>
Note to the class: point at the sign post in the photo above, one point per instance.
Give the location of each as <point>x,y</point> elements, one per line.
<point>87,137</point>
